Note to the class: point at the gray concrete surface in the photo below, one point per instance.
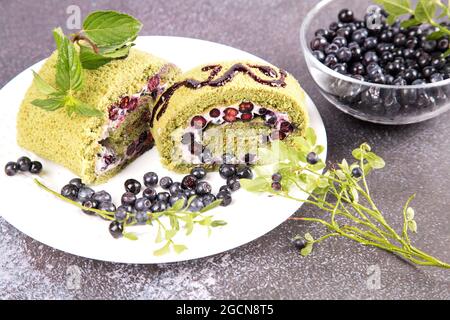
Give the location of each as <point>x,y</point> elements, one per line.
<point>417,156</point>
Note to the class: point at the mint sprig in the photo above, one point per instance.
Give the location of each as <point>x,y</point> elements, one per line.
<point>106,35</point>
<point>424,12</point>
<point>345,198</point>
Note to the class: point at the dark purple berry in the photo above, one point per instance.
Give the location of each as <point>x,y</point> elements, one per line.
<point>199,172</point>
<point>102,196</point>
<point>203,188</point>
<point>165,182</point>
<point>128,198</point>
<point>227,170</point>
<point>77,182</point>
<point>299,243</point>
<point>319,43</point>
<point>36,167</point>
<point>175,188</point>
<point>150,179</point>
<point>85,193</point>
<point>163,197</point>
<point>346,15</point>
<point>116,229</point>
<point>70,191</point>
<point>225,189</point>
<point>121,213</point>
<point>24,164</point>
<point>319,55</point>
<point>142,204</point>
<point>133,186</point>
<point>276,186</point>
<point>11,169</point>
<point>357,172</point>
<point>344,54</point>
<point>225,198</point>
<point>331,60</point>
<point>207,199</point>
<point>159,206</point>
<point>107,206</point>
<point>312,158</point>
<point>233,183</point>
<point>90,204</point>
<point>245,173</point>
<point>339,41</point>
<point>276,177</point>
<point>149,193</point>
<point>189,182</point>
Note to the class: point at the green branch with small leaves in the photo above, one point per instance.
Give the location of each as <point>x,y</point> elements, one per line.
<point>169,223</point>
<point>106,35</point>
<point>342,193</point>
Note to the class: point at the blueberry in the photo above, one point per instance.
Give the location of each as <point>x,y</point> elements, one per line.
<point>412,42</point>
<point>199,172</point>
<point>189,182</point>
<point>332,49</point>
<point>428,71</point>
<point>276,177</point>
<point>90,204</point>
<point>339,41</point>
<point>102,196</point>
<point>387,57</point>
<point>149,193</point>
<point>424,60</point>
<point>225,198</point>
<point>438,62</point>
<point>150,179</point>
<point>11,169</point>
<point>356,51</point>
<point>399,40</point>
<point>357,68</point>
<point>370,56</point>
<point>429,45</point>
<point>398,52</point>
<point>411,75</point>
<point>227,170</point>
<point>77,182</point>
<point>334,26</point>
<point>142,204</point>
<point>178,197</point>
<point>203,188</point>
<point>341,68</point>
<point>141,217</point>
<point>196,205</point>
<point>36,167</point>
<point>70,191</point>
<point>312,158</point>
<point>276,186</point>
<point>165,182</point>
<point>163,197</point>
<point>245,173</point>
<point>24,164</point>
<point>331,60</point>
<point>299,243</point>
<point>344,32</point>
<point>370,43</point>
<point>121,213</point>
<point>85,193</point>
<point>175,188</point>
<point>208,199</point>
<point>116,229</point>
<point>344,54</point>
<point>386,36</point>
<point>128,198</point>
<point>345,15</point>
<point>323,33</point>
<point>359,36</point>
<point>159,206</point>
<point>357,172</point>
<point>442,44</point>
<point>133,186</point>
<point>189,193</point>
<point>225,188</point>
<point>233,183</point>
<point>318,43</point>
<point>319,55</point>
<point>107,206</point>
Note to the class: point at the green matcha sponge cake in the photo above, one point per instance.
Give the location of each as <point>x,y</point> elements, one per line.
<point>225,112</point>
<point>96,148</point>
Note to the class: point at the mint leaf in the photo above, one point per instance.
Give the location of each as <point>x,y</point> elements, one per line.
<point>130,236</point>
<point>425,10</point>
<point>86,110</point>
<point>179,248</point>
<point>410,23</point>
<point>218,223</point>
<point>91,60</point>
<point>111,28</point>
<point>162,251</point>
<point>41,85</point>
<point>50,104</point>
<point>396,7</point>
<point>69,75</point>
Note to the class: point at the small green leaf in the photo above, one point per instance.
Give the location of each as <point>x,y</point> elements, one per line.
<point>357,153</point>
<point>436,35</point>
<point>306,251</point>
<point>50,104</point>
<point>375,161</point>
<point>425,10</point>
<point>163,250</point>
<point>211,206</point>
<point>179,248</point>
<point>111,28</point>
<point>309,237</point>
<point>205,221</point>
<point>395,7</point>
<point>218,223</point>
<point>410,214</point>
<point>177,206</point>
<point>170,234</point>
<point>90,60</point>
<point>130,236</point>
<point>340,175</point>
<point>86,110</point>
<point>69,73</point>
<point>258,184</point>
<point>410,23</point>
<point>41,85</point>
<point>391,19</point>
<point>412,226</point>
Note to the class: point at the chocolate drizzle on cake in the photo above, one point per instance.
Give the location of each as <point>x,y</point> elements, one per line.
<point>278,80</point>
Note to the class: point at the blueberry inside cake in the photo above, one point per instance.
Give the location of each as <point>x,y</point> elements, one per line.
<point>96,148</point>
<point>229,107</point>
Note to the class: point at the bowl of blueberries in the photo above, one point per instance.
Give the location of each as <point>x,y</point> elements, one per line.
<point>376,71</point>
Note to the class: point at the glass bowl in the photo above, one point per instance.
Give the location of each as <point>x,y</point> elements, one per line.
<point>378,103</point>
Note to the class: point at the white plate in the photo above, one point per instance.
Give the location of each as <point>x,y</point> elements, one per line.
<point>62,226</point>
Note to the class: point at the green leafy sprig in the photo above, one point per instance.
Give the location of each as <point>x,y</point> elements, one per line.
<point>343,195</point>
<point>106,35</point>
<point>425,12</point>
<point>169,223</point>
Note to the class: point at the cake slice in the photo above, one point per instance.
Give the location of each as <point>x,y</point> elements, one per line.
<point>229,108</point>
<point>96,148</point>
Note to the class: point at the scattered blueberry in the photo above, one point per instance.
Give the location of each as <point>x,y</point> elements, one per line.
<point>177,197</point>
<point>141,217</point>
<point>11,169</point>
<point>91,204</point>
<point>163,196</point>
<point>276,177</point>
<point>24,164</point>
<point>70,191</point>
<point>85,193</point>
<point>158,206</point>
<point>198,172</point>
<point>225,189</point>
<point>149,193</point>
<point>208,199</point>
<point>175,188</point>
<point>150,179</point>
<point>189,182</point>
<point>244,173</point>
<point>116,229</point>
<point>121,213</point>
<point>165,182</point>
<point>128,198</point>
<point>312,158</point>
<point>77,182</point>
<point>142,204</point>
<point>233,183</point>
<point>36,167</point>
<point>299,243</point>
<point>276,186</point>
<point>357,172</point>
<point>227,171</point>
<point>133,186</point>
<point>225,197</point>
<point>102,196</point>
<point>203,188</point>
<point>196,205</point>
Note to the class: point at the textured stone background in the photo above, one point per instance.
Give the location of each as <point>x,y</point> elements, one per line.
<point>418,161</point>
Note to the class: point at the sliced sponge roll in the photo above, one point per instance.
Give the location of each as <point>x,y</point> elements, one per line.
<point>224,93</point>
<point>76,141</point>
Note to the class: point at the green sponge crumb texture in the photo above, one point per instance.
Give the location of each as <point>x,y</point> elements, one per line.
<point>187,102</point>
<point>72,141</point>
